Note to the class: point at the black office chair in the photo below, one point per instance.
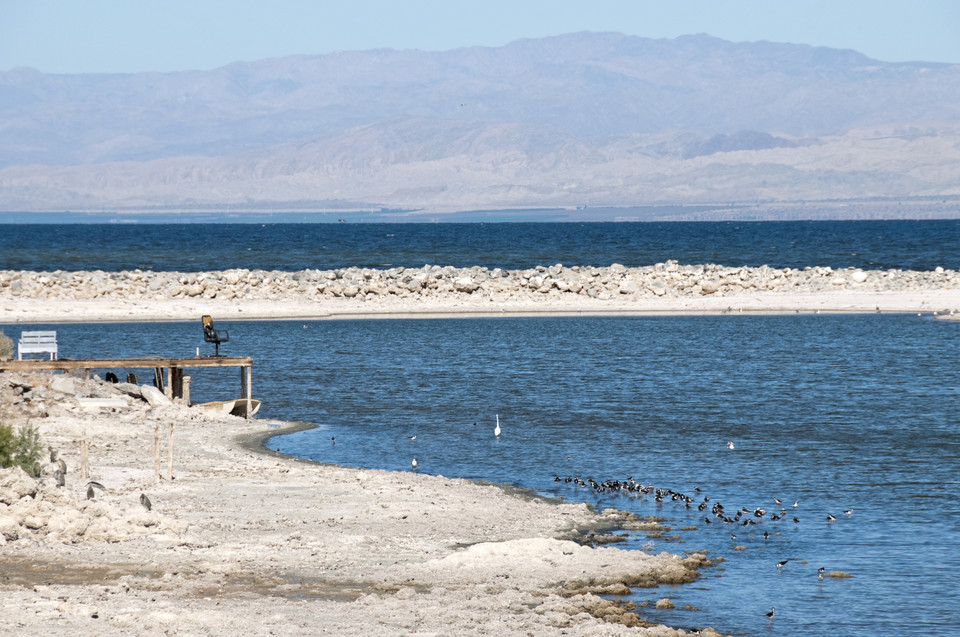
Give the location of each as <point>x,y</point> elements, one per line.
<point>211,335</point>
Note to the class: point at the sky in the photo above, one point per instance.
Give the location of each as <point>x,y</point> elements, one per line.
<point>128,36</point>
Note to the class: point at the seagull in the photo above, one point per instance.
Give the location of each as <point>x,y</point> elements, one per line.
<point>413,464</point>
<point>730,445</point>
<point>145,501</point>
<point>90,489</point>
<point>496,432</point>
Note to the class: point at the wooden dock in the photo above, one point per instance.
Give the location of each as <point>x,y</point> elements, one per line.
<point>173,388</point>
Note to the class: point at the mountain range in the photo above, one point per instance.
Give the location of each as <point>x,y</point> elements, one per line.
<point>583,121</point>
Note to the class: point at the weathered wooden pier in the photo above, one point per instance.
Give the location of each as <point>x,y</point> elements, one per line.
<point>174,387</point>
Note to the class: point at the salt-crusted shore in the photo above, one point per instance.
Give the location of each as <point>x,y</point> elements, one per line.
<point>243,541</point>
<point>443,291</point>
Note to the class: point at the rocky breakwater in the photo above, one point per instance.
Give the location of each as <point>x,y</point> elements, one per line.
<point>614,282</point>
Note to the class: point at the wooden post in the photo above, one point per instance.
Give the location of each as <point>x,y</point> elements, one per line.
<point>156,454</point>
<point>176,383</point>
<point>246,383</point>
<point>84,457</point>
<point>168,390</point>
<point>170,454</point>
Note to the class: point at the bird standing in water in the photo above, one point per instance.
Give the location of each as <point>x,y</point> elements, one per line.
<point>413,464</point>
<point>770,614</point>
<point>496,431</point>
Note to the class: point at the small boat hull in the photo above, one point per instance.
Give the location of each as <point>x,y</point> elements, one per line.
<point>245,407</point>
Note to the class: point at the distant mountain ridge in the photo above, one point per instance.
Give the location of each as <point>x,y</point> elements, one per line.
<point>584,118</point>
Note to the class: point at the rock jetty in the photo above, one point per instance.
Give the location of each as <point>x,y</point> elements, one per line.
<point>433,282</point>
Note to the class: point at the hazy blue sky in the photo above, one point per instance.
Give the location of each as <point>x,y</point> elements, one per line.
<point>75,36</point>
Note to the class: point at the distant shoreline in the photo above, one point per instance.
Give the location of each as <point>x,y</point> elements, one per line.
<point>896,209</point>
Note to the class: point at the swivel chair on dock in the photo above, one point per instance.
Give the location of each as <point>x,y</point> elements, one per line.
<point>210,335</point>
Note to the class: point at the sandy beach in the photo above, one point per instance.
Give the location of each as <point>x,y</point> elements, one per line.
<point>245,540</point>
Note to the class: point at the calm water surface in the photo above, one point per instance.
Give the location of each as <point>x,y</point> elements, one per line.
<point>877,245</point>
<point>834,412</point>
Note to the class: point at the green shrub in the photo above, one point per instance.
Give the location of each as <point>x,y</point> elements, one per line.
<point>6,346</point>
<point>8,445</point>
<point>23,450</point>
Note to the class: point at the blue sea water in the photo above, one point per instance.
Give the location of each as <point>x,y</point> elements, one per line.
<point>917,245</point>
<point>858,412</point>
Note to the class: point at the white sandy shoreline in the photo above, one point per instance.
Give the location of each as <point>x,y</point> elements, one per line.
<point>244,540</point>
<point>117,310</point>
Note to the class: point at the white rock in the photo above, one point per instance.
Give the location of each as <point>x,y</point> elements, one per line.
<point>465,284</point>
<point>64,385</point>
<point>154,396</point>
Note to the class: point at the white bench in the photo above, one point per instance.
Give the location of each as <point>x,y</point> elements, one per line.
<point>37,343</point>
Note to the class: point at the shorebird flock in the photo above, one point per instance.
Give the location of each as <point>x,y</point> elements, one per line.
<point>711,513</point>
<point>60,479</point>
<point>743,516</point>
